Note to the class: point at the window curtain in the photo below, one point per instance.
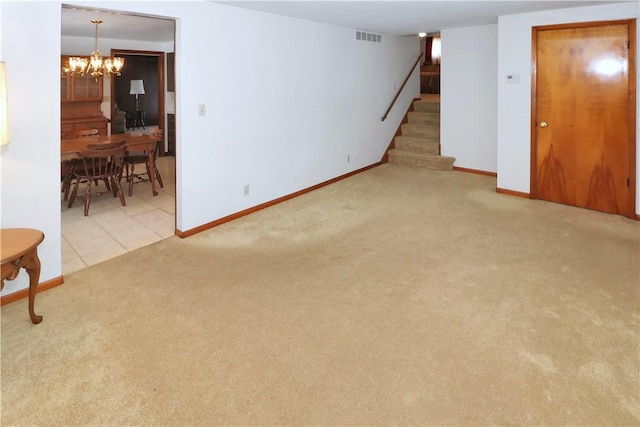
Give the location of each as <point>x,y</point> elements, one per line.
<point>435,50</point>
<point>428,43</point>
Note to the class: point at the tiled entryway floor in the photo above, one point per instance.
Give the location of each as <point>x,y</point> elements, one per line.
<point>111,229</point>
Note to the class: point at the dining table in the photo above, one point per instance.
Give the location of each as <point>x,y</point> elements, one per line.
<point>70,148</point>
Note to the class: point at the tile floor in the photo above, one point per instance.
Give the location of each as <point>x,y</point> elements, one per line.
<point>111,229</point>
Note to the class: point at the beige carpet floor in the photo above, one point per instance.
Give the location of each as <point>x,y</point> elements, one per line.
<point>398,296</point>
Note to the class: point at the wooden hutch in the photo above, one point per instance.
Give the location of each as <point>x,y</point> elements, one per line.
<point>80,102</point>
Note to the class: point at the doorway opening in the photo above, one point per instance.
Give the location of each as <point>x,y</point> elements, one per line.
<point>110,229</point>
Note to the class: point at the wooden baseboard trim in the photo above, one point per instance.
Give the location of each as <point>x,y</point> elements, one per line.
<point>24,293</point>
<point>513,193</point>
<point>228,218</point>
<point>476,171</point>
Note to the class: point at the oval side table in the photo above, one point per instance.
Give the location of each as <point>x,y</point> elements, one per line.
<point>19,249</point>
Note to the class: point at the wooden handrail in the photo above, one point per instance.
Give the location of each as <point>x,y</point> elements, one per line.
<point>386,113</point>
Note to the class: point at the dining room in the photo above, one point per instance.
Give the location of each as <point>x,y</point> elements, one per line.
<point>105,226</point>
<point>97,225</point>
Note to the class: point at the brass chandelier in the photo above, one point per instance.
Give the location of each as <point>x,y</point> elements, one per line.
<point>95,65</point>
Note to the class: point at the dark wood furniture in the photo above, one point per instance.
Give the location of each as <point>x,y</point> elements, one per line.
<point>19,247</point>
<point>135,119</point>
<point>82,133</point>
<point>80,102</point>
<point>171,118</point>
<point>71,148</point>
<point>78,88</point>
<point>67,166</point>
<point>99,162</point>
<point>71,125</point>
<point>171,134</point>
<point>142,158</point>
<point>171,75</point>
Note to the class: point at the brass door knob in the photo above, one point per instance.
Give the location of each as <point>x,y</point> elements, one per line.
<point>543,124</point>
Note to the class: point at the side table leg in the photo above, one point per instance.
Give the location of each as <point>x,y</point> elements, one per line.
<point>33,269</point>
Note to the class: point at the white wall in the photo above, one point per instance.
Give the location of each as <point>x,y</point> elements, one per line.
<point>514,100</point>
<point>30,164</point>
<point>283,110</point>
<point>469,96</point>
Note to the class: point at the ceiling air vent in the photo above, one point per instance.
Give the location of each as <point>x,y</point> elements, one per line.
<point>368,37</point>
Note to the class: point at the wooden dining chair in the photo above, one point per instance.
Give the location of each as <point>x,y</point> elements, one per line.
<point>67,166</point>
<point>139,158</point>
<point>100,163</point>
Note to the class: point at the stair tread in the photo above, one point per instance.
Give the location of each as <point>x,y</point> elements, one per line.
<point>425,139</point>
<point>420,130</point>
<point>426,106</point>
<point>431,145</point>
<point>419,154</point>
<point>425,113</point>
<point>430,126</point>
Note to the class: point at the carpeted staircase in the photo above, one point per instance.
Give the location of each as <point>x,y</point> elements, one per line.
<point>419,142</point>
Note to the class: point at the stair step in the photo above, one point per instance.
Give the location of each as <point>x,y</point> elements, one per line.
<point>424,160</point>
<point>420,131</point>
<point>426,106</point>
<point>424,118</point>
<point>422,145</point>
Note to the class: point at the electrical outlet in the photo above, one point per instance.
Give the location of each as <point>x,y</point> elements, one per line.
<point>246,190</point>
<point>348,158</point>
<point>201,110</point>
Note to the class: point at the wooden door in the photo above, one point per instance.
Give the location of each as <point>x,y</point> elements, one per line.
<point>583,127</point>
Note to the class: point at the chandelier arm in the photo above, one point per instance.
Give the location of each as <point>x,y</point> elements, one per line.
<point>96,65</point>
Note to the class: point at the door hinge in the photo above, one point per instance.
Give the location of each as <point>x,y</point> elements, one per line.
<point>628,182</point>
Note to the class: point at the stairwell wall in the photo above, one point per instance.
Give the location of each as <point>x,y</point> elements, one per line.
<point>469,96</point>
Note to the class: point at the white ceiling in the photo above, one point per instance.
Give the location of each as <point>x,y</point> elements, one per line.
<point>116,25</point>
<point>403,18</point>
<point>385,17</point>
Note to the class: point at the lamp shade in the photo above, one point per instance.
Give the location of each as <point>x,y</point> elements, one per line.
<point>137,87</point>
<point>4,107</point>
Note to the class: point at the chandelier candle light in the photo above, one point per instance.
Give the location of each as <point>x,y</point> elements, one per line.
<point>95,65</point>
